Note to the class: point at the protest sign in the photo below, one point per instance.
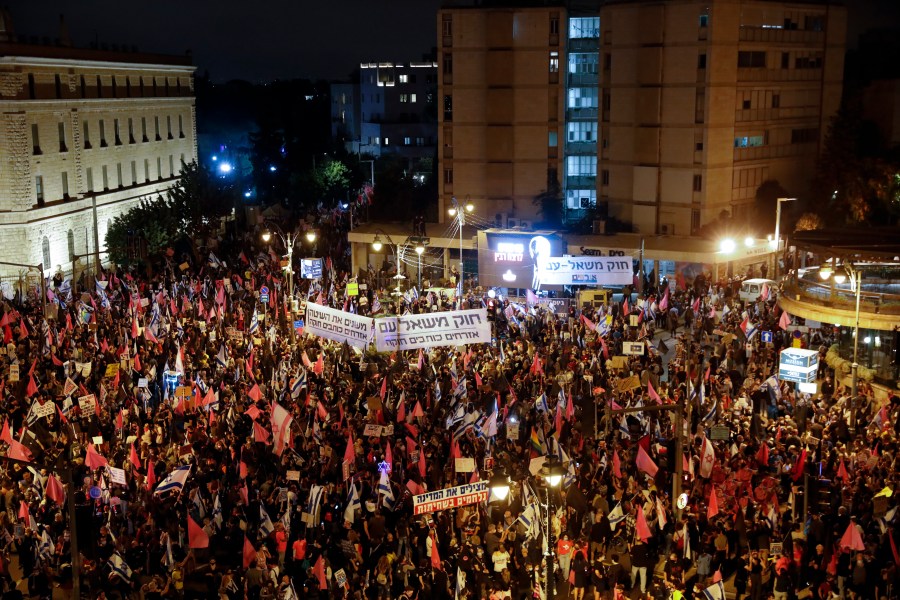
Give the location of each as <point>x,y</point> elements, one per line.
<point>453,497</point>
<point>432,329</point>
<point>87,403</point>
<point>337,325</point>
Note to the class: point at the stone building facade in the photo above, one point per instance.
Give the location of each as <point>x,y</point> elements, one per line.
<point>85,134</point>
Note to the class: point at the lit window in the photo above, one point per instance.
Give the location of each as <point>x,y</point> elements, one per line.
<point>407,141</point>
<point>387,141</point>
<point>404,78</point>
<point>412,98</point>
<point>554,62</point>
<point>404,98</point>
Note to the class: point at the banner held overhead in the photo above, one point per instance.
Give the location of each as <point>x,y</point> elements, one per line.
<point>587,270</point>
<point>333,324</point>
<point>434,329</point>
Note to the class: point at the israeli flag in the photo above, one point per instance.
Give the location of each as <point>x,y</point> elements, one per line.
<point>46,548</point>
<point>254,322</point>
<point>353,504</point>
<point>714,592</point>
<point>265,523</point>
<point>119,567</point>
<point>711,415</point>
<point>174,480</point>
<point>217,512</point>
<point>437,391</point>
<point>616,516</point>
<point>316,493</point>
<point>299,383</point>
<point>384,488</point>
<point>541,403</point>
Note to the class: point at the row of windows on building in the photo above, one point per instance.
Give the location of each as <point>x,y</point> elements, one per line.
<point>407,141</point>
<point>117,133</point>
<point>122,176</point>
<point>121,87</point>
<point>803,135</point>
<point>758,59</point>
<point>70,242</point>
<point>579,28</point>
<point>385,77</point>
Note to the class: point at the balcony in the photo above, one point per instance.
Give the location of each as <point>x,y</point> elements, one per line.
<point>583,79</point>
<point>777,35</point>
<point>581,148</point>
<point>581,182</point>
<point>581,114</point>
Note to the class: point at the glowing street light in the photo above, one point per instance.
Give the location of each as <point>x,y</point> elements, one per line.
<point>225,168</point>
<point>727,245</point>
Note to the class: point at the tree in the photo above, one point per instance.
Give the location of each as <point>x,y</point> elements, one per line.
<point>767,195</point>
<point>809,221</point>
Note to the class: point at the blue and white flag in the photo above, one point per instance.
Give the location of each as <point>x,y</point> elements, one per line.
<point>353,504</point>
<point>437,391</point>
<point>217,512</point>
<point>117,566</point>
<point>711,415</point>
<point>299,383</point>
<point>265,523</point>
<point>714,592</point>
<point>541,403</point>
<point>616,516</point>
<point>174,480</point>
<point>254,322</point>
<point>529,519</point>
<point>314,502</point>
<point>46,548</point>
<point>386,492</point>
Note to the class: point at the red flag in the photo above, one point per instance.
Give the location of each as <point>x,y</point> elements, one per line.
<point>570,407</point>
<point>785,321</point>
<point>55,490</point>
<point>137,362</point>
<point>422,469</point>
<point>625,310</point>
<point>349,452</point>
<point>401,412</point>
<point>18,451</point>
<point>417,410</point>
<point>197,538</point>
<point>319,367</point>
<point>56,361</point>
<point>841,472</point>
<point>32,388</point>
<point>605,348</point>
<point>641,527</point>
<point>588,323</point>
<point>23,511</point>
<point>120,422</point>
<point>383,388</point>
<point>894,547</point>
<point>254,393</point>
<point>713,508</point>
<point>151,476</point>
<point>645,463</point>
<point>133,457</point>
<point>260,433</point>
<point>93,459</point>
<point>617,465</point>
<point>762,455</point>
<point>5,435</point>
<point>249,553</point>
<point>851,538</point>
<point>389,456</point>
<point>797,471</point>
<point>319,572</point>
<point>717,577</point>
<point>435,557</point>
<point>477,380</point>
<point>652,392</point>
<point>23,331</point>
<point>536,367</point>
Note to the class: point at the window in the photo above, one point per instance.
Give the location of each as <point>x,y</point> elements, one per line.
<point>114,90</point>
<point>804,136</point>
<point>387,141</point>
<point>745,104</point>
<point>35,139</point>
<point>116,132</point>
<point>31,88</point>
<point>698,183</point>
<point>39,189</point>
<point>583,97</point>
<point>581,166</point>
<point>143,129</point>
<point>45,250</point>
<point>171,166</point>
<point>105,174</point>
<point>99,87</point>
<point>584,28</point>
<point>403,78</point>
<point>447,26</point>
<point>83,88</point>
<point>448,176</point>
<point>785,60</point>
<point>695,220</point>
<point>554,25</point>
<point>420,141</point>
<point>169,126</point>
<point>159,167</point>
<point>57,83</point>
<point>704,20</point>
<point>133,172</point>
<point>86,134</point>
<point>751,59</point>
<point>70,238</point>
<point>604,177</point>
<point>552,139</point>
<point>584,62</point>
<point>102,134</point>
<point>448,63</point>
<point>701,61</point>
<point>404,98</point>
<point>130,130</point>
<point>554,61</point>
<point>156,123</point>
<point>119,174</point>
<point>812,60</point>
<point>181,126</point>
<point>407,141</point>
<point>776,100</point>
<point>65,185</point>
<point>448,108</point>
<point>582,131</point>
<point>412,98</point>
<point>90,179</point>
<point>578,199</point>
<point>147,170</point>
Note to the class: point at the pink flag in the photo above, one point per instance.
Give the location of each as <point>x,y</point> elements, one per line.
<point>197,538</point>
<point>652,393</point>
<point>588,323</point>
<point>383,388</point>
<point>401,412</point>
<point>851,538</point>
<point>349,452</point>
<point>713,508</point>
<point>664,303</point>
<point>5,435</point>
<point>93,459</point>
<point>417,410</point>
<point>645,463</point>
<point>640,526</point>
<point>617,465</point>
<point>254,393</point>
<point>133,457</point>
<point>249,553</point>
<point>842,472</point>
<point>260,433</point>
<point>319,572</point>
<point>55,490</point>
<point>785,320</point>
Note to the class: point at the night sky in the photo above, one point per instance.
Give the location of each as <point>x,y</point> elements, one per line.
<point>261,40</point>
<point>256,40</point>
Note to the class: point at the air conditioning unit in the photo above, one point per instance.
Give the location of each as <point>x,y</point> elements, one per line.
<point>525,225</point>
<point>667,229</point>
<point>512,223</point>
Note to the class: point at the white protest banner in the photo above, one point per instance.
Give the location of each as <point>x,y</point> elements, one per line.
<point>433,329</point>
<point>116,475</point>
<point>44,410</point>
<point>633,348</point>
<point>586,270</point>
<point>372,430</point>
<point>87,403</point>
<point>512,431</point>
<point>333,324</point>
<point>142,382</point>
<point>453,497</point>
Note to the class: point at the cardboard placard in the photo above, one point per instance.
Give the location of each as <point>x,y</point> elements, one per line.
<point>142,382</point>
<point>512,431</point>
<point>116,475</point>
<point>293,475</point>
<point>372,430</point>
<point>183,391</point>
<point>619,362</point>
<point>14,372</point>
<point>87,403</point>
<point>465,465</point>
<point>309,519</point>
<point>186,450</point>
<point>69,387</point>
<point>373,403</point>
<point>111,370</point>
<point>340,577</point>
<point>97,440</point>
<point>44,410</point>
<point>629,383</point>
<point>775,548</point>
<point>183,266</point>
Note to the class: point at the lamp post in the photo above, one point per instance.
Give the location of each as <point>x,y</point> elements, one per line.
<point>288,241</point>
<point>377,245</point>
<point>777,240</point>
<point>840,276</point>
<point>39,267</point>
<point>420,249</point>
<point>459,212</point>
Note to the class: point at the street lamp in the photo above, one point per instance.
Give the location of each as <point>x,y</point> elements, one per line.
<point>420,249</point>
<point>777,240</point>
<point>459,212</point>
<point>377,245</point>
<point>840,275</point>
<point>552,472</point>
<point>499,485</point>
<point>288,241</point>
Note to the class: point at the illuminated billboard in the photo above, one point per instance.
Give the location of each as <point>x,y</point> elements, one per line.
<point>514,258</point>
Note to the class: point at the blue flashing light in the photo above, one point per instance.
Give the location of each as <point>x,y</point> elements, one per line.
<point>225,167</point>
<point>215,158</point>
<point>272,168</point>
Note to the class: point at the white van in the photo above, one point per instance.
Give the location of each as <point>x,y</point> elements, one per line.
<point>752,288</point>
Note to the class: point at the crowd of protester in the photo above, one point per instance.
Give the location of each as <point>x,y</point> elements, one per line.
<point>225,456</point>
